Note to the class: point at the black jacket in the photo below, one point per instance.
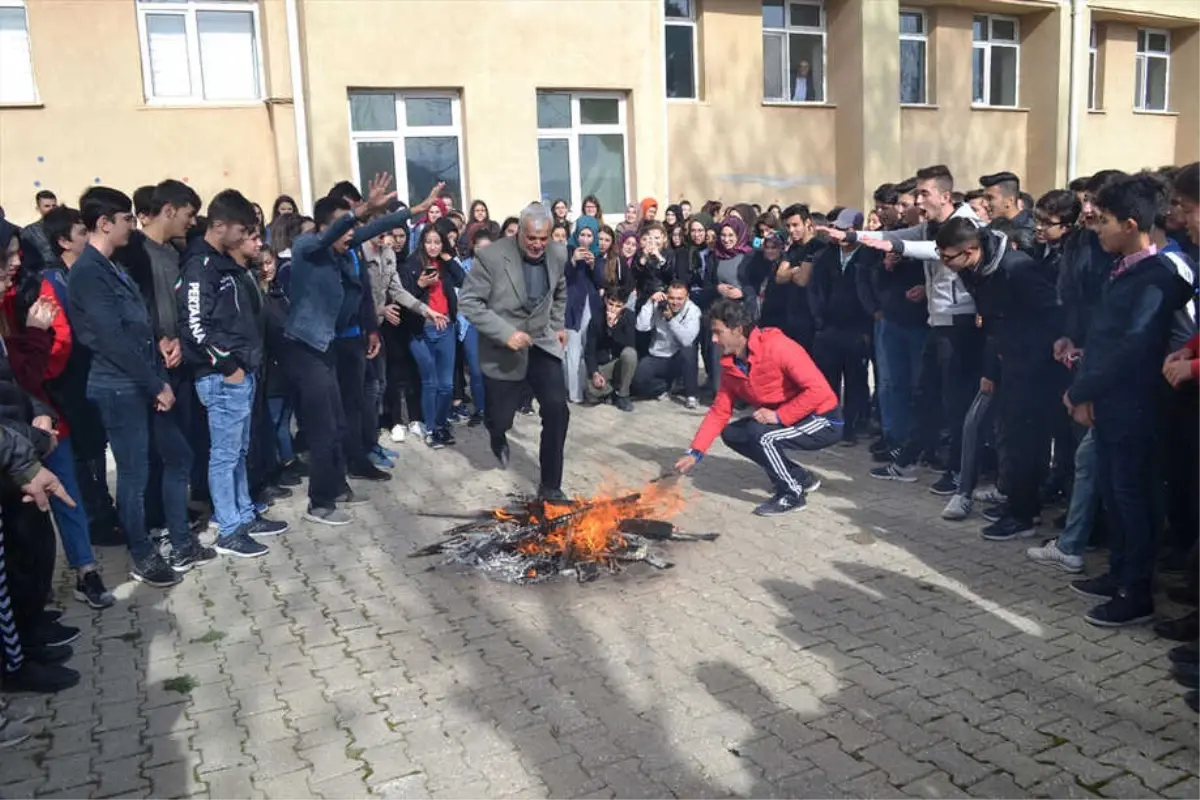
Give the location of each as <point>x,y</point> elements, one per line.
<point>219,330</point>
<point>275,313</point>
<point>452,281</point>
<point>833,291</point>
<point>1083,270</point>
<point>18,408</point>
<point>883,289</point>
<point>18,457</point>
<point>604,344</point>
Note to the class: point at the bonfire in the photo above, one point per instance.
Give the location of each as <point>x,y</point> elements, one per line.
<point>531,540</point>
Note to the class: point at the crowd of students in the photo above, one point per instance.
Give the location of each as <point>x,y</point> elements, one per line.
<point>1051,342</point>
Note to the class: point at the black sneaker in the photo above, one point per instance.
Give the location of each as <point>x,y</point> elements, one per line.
<point>812,484</point>
<point>432,442</point>
<point>195,556</point>
<point>90,589</point>
<point>995,513</point>
<point>946,485</point>
<point>327,516</point>
<point>271,493</point>
<point>239,545</point>
<point>1184,654</point>
<point>1123,609</point>
<point>781,503</point>
<point>154,571</point>
<point>40,678</point>
<point>880,446</point>
<point>446,437</point>
<point>886,456</point>
<point>367,471</point>
<point>49,653</point>
<point>624,404</point>
<point>1183,629</point>
<point>1008,528</point>
<point>55,633</point>
<point>266,527</point>
<point>288,478</point>
<point>1186,675</point>
<point>557,496</point>
<point>475,420</point>
<point>1102,587</point>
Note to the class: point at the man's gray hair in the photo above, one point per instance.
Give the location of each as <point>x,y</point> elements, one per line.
<point>537,215</point>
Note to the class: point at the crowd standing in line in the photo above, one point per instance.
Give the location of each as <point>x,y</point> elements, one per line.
<point>226,361</point>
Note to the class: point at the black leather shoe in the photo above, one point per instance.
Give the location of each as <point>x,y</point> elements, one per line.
<point>40,678</point>
<point>1186,675</point>
<point>1184,629</point>
<point>557,496</point>
<point>1185,654</point>
<point>500,451</point>
<point>49,653</point>
<point>368,472</point>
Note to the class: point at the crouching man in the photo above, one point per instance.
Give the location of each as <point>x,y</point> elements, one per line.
<point>794,408</point>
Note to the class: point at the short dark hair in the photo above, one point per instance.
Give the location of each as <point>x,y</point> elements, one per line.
<point>1008,183</point>
<point>677,285</point>
<point>327,207</point>
<point>974,194</point>
<point>939,173</point>
<point>1133,197</point>
<point>906,186</point>
<point>886,195</point>
<point>102,202</point>
<point>1187,182</point>
<point>1061,203</point>
<point>1019,237</point>
<point>231,206</point>
<point>1102,179</point>
<point>346,191</point>
<point>732,314</point>
<point>175,194</point>
<point>481,233</point>
<point>143,200</point>
<point>1026,200</point>
<point>617,292</point>
<point>957,197</point>
<point>796,210</point>
<point>561,225</point>
<point>833,212</point>
<point>508,221</point>
<point>45,194</point>
<point>958,232</point>
<point>57,224</point>
<point>1079,184</point>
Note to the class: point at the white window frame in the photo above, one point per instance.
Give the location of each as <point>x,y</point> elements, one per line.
<point>1093,69</point>
<point>403,131</point>
<point>987,47</point>
<point>922,37</point>
<point>187,9</point>
<point>688,22</point>
<point>577,129</point>
<point>789,80</point>
<point>33,97</point>
<point>1141,64</point>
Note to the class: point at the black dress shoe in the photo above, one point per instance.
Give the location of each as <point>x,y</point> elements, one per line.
<point>556,496</point>
<point>40,678</point>
<point>1186,675</point>
<point>368,472</point>
<point>49,653</point>
<point>1184,629</point>
<point>1185,654</point>
<point>500,451</point>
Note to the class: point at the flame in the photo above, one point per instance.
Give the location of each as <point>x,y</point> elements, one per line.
<point>593,533</point>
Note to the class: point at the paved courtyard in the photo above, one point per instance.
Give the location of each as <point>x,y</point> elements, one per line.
<point>860,648</point>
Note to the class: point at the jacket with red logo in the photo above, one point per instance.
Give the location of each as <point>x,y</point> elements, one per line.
<point>782,377</point>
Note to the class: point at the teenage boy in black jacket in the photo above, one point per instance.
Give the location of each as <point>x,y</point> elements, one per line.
<point>1017,295</point>
<point>1116,392</point>
<point>610,350</point>
<point>221,340</point>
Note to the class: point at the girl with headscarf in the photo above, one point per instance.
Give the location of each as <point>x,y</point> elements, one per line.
<point>649,210</point>
<point>728,270</point>
<point>633,219</point>
<point>583,300</point>
<point>673,216</point>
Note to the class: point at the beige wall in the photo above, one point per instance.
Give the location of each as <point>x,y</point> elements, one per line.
<point>93,122</point>
<point>497,55</point>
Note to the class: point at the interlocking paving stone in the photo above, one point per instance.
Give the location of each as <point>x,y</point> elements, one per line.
<point>860,648</point>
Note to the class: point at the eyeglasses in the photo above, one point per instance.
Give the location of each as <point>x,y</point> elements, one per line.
<point>1044,222</point>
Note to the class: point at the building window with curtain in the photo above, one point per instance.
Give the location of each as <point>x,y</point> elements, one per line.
<point>581,143</point>
<point>416,136</point>
<point>914,55</point>
<point>1153,65</point>
<point>197,51</point>
<point>1093,95</point>
<point>16,63</point>
<point>995,61</point>
<point>793,51</point>
<point>681,48</point>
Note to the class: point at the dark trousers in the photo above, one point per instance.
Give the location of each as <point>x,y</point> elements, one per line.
<point>30,549</point>
<point>89,442</point>
<point>403,379</point>
<point>544,378</point>
<point>764,445</point>
<point>262,460</point>
<point>372,398</point>
<point>841,355</point>
<point>1181,462</point>
<point>657,374</point>
<point>951,363</point>
<point>352,382</point>
<point>319,401</point>
<point>188,416</point>
<point>1027,402</point>
<point>1125,451</point>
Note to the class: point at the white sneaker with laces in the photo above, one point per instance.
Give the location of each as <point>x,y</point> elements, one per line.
<point>1049,553</point>
<point>398,433</point>
<point>958,508</point>
<point>417,429</point>
<point>991,495</point>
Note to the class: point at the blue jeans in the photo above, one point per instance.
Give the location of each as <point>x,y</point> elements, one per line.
<point>1082,511</point>
<point>128,417</point>
<point>470,343</point>
<point>433,351</point>
<point>281,421</point>
<point>229,409</point>
<point>898,353</point>
<point>72,522</point>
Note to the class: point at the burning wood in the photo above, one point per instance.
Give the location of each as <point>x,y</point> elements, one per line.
<point>530,540</point>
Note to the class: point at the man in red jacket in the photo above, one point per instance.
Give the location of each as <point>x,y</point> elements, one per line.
<point>793,405</point>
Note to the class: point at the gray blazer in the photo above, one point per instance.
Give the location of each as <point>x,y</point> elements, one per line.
<point>493,300</point>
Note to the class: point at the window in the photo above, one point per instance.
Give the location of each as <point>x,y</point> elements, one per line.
<point>16,64</point>
<point>994,62</point>
<point>199,51</point>
<point>1093,75</point>
<point>581,148</point>
<point>1153,65</point>
<point>416,136</point>
<point>681,48</point>
<point>914,49</point>
<point>794,50</point>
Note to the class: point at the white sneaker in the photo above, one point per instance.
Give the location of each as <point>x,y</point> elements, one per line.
<point>958,508</point>
<point>1049,553</point>
<point>398,433</point>
<point>417,429</point>
<point>691,403</point>
<point>991,495</point>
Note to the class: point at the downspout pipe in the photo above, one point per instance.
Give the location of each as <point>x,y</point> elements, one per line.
<point>299,104</point>
<point>1076,94</point>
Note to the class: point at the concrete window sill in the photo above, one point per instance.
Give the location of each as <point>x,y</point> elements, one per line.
<point>200,104</point>
<point>17,106</point>
<point>1152,113</point>
<point>921,106</point>
<point>790,104</point>
<point>1018,109</point>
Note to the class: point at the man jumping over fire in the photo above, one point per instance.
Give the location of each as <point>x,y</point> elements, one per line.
<point>793,405</point>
